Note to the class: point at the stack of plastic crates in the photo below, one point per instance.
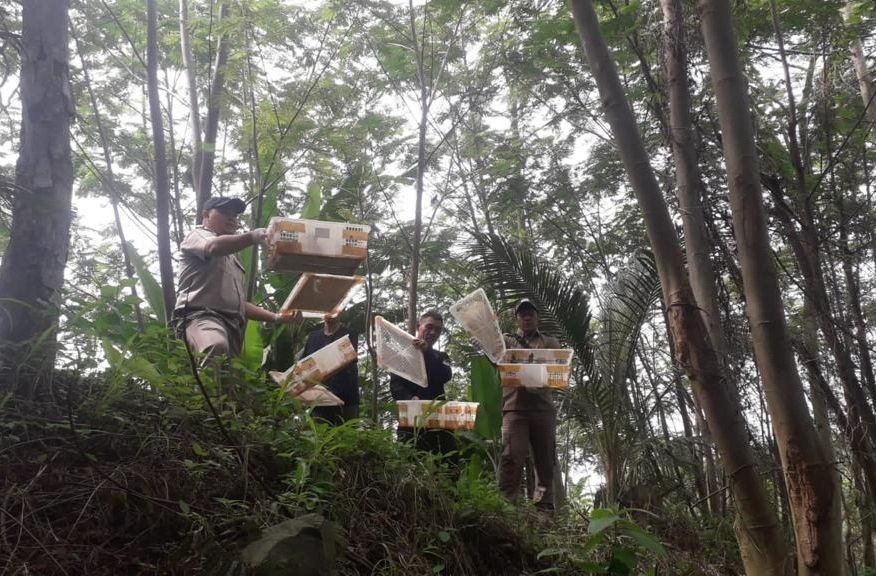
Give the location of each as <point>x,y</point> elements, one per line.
<point>328,254</point>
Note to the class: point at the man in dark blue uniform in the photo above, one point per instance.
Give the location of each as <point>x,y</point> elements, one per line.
<point>345,383</point>
<point>438,373</point>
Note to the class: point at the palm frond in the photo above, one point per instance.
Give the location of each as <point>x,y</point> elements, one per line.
<point>517,273</point>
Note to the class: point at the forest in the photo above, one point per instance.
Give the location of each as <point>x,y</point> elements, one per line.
<point>682,189</point>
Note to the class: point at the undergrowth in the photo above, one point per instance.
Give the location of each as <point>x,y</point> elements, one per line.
<point>104,479</point>
<point>131,473</point>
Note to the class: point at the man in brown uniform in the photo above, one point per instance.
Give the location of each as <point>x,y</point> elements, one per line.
<point>211,308</point>
<point>528,417</point>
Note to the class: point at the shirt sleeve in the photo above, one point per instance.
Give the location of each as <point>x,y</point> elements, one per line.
<point>196,244</point>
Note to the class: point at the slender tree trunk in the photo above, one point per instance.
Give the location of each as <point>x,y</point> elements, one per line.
<point>812,489</point>
<point>258,207</point>
<point>859,62</point>
<point>760,539</point>
<point>421,172</point>
<point>109,182</point>
<point>854,294</point>
<point>162,185</point>
<point>194,108</point>
<point>690,187</point>
<point>176,217</point>
<point>214,108</point>
<point>32,269</point>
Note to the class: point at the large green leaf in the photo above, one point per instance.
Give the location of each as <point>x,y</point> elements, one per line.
<point>253,346</point>
<point>313,204</point>
<point>486,389</point>
<point>151,287</point>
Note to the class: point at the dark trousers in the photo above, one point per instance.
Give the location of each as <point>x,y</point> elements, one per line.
<point>428,440</point>
<point>520,430</point>
<point>335,415</point>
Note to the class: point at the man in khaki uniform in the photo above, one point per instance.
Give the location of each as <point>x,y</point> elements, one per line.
<point>528,418</point>
<point>211,308</point>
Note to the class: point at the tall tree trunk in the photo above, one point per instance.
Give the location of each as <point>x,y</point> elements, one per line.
<point>214,107</point>
<point>256,171</point>
<point>162,185</point>
<point>194,108</point>
<point>812,489</point>
<point>32,269</point>
<point>859,62</point>
<point>853,287</point>
<point>421,172</point>
<point>690,186</point>
<point>759,536</point>
<point>176,212</point>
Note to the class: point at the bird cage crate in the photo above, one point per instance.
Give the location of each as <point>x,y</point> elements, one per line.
<point>396,352</point>
<point>459,415</point>
<point>316,295</point>
<point>536,367</point>
<point>316,367</point>
<point>437,414</point>
<point>476,315</point>
<point>316,246</point>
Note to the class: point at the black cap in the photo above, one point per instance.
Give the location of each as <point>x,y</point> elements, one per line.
<point>222,203</point>
<point>525,303</point>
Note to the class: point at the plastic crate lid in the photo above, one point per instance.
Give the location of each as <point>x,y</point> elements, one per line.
<point>319,294</point>
<point>476,315</point>
<point>396,352</point>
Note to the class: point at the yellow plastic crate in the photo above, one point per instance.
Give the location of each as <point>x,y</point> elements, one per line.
<point>536,368</point>
<point>437,414</point>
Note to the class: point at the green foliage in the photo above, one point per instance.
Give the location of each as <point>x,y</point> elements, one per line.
<point>151,286</point>
<point>612,544</point>
<point>486,390</point>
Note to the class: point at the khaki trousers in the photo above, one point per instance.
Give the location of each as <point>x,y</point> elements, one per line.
<point>520,430</point>
<point>212,336</point>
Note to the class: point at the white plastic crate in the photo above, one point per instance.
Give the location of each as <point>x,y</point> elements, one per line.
<point>536,367</point>
<point>315,368</point>
<point>316,246</point>
<point>437,414</point>
<point>476,315</point>
<point>396,352</point>
<point>316,295</point>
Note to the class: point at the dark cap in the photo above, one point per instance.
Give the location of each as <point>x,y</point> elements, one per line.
<point>235,205</point>
<point>524,304</point>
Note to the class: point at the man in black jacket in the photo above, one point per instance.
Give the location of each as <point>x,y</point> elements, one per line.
<point>438,373</point>
<point>344,384</point>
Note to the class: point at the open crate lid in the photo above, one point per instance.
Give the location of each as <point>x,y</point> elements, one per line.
<point>476,315</point>
<point>319,294</point>
<point>319,395</point>
<point>396,352</point>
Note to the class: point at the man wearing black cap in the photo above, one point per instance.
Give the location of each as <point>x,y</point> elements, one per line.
<point>211,308</point>
<point>528,418</point>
